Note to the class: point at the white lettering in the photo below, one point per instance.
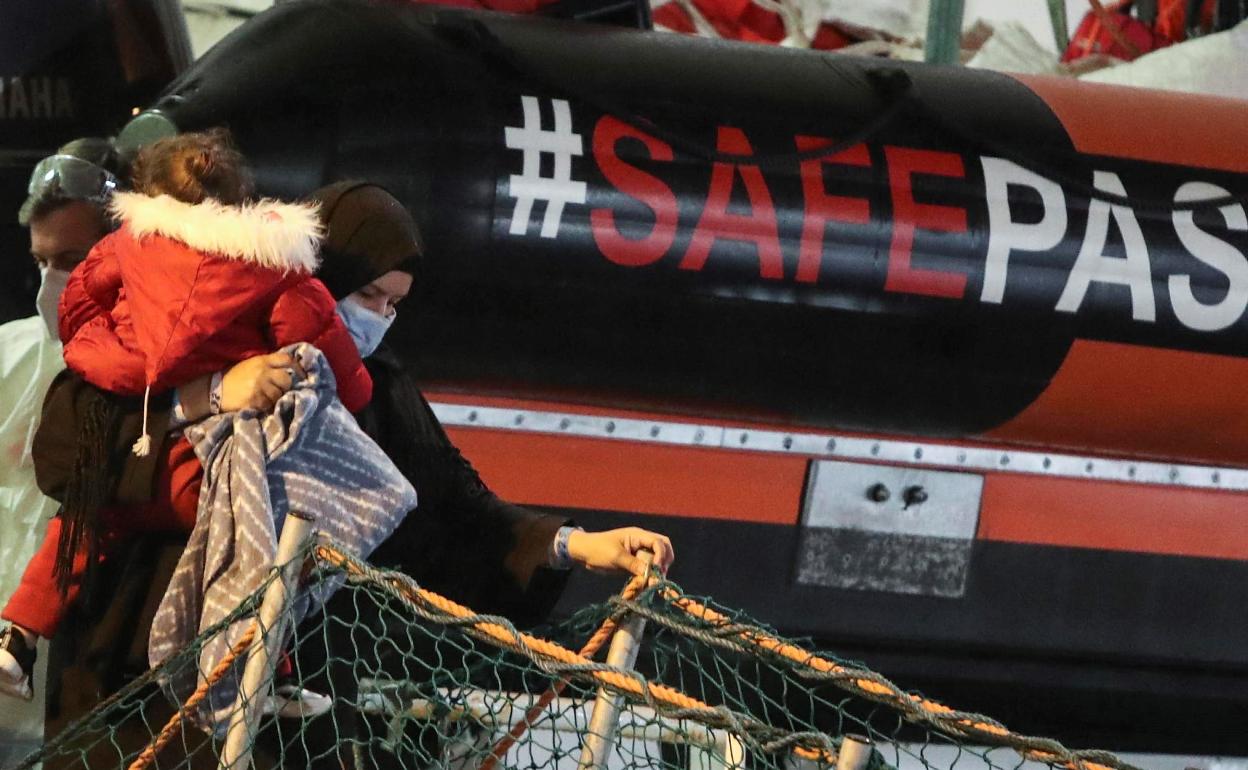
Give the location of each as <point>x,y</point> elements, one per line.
<point>1091,265</point>
<point>1006,235</point>
<point>41,97</point>
<point>18,106</point>
<point>1214,252</point>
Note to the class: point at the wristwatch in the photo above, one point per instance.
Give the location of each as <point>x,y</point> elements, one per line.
<point>559,556</point>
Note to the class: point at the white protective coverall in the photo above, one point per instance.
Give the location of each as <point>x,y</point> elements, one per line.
<point>29,358</point>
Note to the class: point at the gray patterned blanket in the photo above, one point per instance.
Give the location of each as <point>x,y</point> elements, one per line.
<point>308,455</point>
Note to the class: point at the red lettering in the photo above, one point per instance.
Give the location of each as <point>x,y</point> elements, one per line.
<point>909,214</point>
<point>822,208</point>
<point>758,227</point>
<point>638,184</point>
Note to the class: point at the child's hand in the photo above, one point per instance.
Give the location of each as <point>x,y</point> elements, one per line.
<point>258,382</point>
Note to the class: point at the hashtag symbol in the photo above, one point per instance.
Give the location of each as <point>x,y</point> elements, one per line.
<point>558,189</point>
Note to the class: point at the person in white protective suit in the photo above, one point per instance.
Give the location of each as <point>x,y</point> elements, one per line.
<point>65,211</point>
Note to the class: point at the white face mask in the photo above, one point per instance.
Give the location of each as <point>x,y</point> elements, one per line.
<point>365,326</point>
<point>51,284</point>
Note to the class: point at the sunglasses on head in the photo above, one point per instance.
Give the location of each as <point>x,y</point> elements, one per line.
<point>69,177</point>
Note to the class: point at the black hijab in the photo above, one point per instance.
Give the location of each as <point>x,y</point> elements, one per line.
<point>368,233</point>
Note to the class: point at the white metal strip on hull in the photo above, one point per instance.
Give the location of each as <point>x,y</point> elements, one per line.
<point>839,446</point>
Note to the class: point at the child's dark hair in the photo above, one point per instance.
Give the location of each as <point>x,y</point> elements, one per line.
<point>192,168</point>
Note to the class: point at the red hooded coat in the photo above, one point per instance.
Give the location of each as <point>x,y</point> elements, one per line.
<point>182,290</point>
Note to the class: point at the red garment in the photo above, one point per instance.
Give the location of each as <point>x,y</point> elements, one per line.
<point>1113,31</point>
<point>39,606</point>
<point>184,290</point>
<point>1172,22</point>
<point>732,19</point>
<point>744,20</point>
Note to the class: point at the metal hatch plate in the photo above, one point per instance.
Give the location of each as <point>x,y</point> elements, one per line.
<point>862,530</point>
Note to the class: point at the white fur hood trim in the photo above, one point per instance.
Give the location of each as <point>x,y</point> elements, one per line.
<point>282,236</point>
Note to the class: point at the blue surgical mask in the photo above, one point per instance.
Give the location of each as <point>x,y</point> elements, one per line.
<point>366,327</point>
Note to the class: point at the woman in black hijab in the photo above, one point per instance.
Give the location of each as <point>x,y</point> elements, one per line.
<point>462,540</point>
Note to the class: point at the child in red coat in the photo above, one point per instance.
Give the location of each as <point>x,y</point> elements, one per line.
<point>197,278</point>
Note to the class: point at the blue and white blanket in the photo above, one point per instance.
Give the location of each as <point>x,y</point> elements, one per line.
<point>307,455</point>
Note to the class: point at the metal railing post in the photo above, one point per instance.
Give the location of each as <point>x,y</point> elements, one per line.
<point>944,32</point>
<point>258,670</point>
<point>855,753</point>
<point>625,644</point>
<point>727,752</point>
<point>1061,33</point>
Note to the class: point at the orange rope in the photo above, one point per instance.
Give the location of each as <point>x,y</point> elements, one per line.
<point>505,637</point>
<point>803,657</point>
<point>591,647</point>
<point>175,722</point>
<point>511,639</point>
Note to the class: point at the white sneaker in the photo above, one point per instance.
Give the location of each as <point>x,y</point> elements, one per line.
<point>17,665</point>
<point>290,701</point>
